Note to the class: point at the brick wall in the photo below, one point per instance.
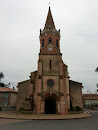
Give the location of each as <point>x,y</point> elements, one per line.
<point>75,90</point>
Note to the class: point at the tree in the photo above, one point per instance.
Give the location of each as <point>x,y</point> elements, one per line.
<point>96,70</point>
<point>1,76</point>
<point>2,85</point>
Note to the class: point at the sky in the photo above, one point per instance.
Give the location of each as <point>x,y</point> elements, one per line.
<point>20,24</point>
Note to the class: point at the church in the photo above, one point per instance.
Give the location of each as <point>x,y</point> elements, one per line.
<point>49,90</point>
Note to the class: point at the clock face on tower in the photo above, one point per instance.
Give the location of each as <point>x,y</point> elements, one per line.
<point>50,48</point>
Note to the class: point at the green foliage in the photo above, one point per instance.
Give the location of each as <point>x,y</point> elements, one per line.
<point>69,110</point>
<point>96,105</point>
<point>1,75</point>
<point>2,85</point>
<point>78,108</point>
<point>21,109</point>
<point>84,105</point>
<point>96,69</point>
<point>74,109</point>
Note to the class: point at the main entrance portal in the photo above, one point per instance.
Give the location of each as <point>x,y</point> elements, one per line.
<point>50,105</point>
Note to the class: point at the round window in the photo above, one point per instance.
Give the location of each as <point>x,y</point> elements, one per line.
<point>50,83</point>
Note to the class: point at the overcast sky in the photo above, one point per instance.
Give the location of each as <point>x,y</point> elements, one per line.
<point>20,23</point>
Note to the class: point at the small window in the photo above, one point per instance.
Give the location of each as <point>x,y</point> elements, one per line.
<point>50,40</point>
<point>43,43</point>
<point>57,43</point>
<point>50,27</point>
<point>50,64</point>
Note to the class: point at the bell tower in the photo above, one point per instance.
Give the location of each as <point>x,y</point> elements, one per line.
<point>52,85</point>
<point>49,37</point>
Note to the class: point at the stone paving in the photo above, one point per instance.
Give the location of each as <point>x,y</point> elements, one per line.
<point>25,116</point>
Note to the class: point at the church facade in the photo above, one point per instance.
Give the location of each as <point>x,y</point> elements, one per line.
<point>49,89</point>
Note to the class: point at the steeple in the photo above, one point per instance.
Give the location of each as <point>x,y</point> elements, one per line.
<point>49,36</point>
<point>49,27</point>
<point>49,21</point>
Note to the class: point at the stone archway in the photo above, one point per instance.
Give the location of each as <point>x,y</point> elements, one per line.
<point>50,102</point>
<point>50,105</point>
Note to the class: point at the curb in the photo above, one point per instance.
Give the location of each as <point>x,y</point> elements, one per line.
<point>43,117</point>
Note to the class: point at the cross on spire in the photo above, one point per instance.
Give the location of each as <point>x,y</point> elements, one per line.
<point>49,3</point>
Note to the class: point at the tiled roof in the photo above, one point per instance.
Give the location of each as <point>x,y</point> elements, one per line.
<point>90,96</point>
<point>8,90</point>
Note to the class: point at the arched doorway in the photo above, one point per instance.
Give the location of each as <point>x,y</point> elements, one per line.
<point>50,105</point>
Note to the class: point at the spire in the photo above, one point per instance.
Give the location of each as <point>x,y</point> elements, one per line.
<point>49,21</point>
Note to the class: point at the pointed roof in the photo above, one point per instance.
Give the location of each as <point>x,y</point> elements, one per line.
<point>49,20</point>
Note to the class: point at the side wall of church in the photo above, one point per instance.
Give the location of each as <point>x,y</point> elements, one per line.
<point>75,91</point>
<point>22,95</point>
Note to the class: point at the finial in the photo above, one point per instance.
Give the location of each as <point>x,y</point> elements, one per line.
<point>49,5</point>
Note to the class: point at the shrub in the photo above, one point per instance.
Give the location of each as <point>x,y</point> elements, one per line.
<point>0,108</point>
<point>21,108</point>
<point>69,110</point>
<point>73,108</point>
<point>78,108</point>
<point>96,105</point>
<point>92,105</point>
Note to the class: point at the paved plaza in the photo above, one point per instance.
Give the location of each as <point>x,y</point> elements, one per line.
<point>90,123</point>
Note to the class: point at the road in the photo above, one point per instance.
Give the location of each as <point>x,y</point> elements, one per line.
<point>74,124</point>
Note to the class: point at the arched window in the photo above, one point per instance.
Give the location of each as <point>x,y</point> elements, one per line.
<point>57,44</point>
<point>50,40</point>
<point>43,43</point>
